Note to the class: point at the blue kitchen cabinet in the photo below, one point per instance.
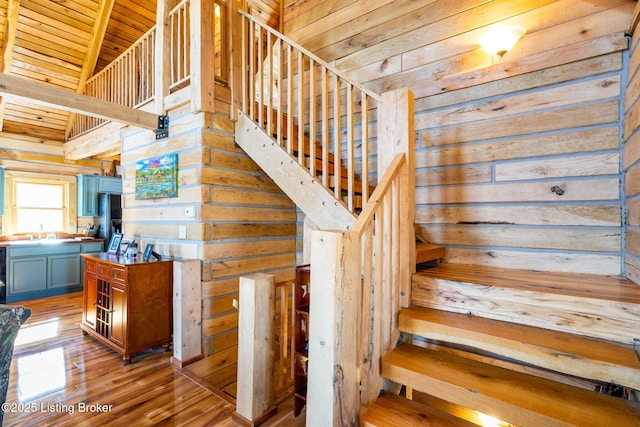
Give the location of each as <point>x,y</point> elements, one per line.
<point>89,186</point>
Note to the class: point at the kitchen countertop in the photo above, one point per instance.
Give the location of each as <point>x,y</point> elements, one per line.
<point>66,240</point>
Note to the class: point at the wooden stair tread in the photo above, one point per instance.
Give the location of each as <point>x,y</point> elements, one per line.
<point>602,307</point>
<point>428,252</point>
<point>567,353</point>
<point>510,396</point>
<point>614,288</point>
<point>390,410</point>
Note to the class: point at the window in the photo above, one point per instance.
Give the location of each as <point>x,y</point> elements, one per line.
<point>39,206</point>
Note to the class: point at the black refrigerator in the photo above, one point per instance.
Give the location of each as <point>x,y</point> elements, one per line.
<point>110,212</point>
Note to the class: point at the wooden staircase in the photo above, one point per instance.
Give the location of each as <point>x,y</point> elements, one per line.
<point>305,190</point>
<point>526,347</point>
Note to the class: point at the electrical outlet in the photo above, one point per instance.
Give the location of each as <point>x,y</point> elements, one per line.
<point>182,232</point>
<point>190,212</point>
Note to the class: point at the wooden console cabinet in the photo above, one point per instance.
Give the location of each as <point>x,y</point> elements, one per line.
<point>127,303</point>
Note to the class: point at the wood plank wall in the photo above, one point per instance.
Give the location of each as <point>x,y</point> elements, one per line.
<point>518,157</point>
<point>631,155</point>
<point>243,224</point>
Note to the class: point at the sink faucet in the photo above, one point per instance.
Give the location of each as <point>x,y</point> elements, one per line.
<point>40,232</point>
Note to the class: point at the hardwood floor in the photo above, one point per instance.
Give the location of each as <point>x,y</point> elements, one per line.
<point>61,378</point>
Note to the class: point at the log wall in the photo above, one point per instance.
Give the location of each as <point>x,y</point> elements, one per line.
<point>517,157</point>
<point>243,223</point>
<point>631,155</point>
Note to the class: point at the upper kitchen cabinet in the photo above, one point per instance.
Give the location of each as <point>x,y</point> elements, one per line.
<point>89,186</point>
<point>109,184</point>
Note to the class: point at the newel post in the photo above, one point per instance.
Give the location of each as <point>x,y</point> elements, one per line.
<point>333,397</point>
<point>255,400</point>
<point>396,134</point>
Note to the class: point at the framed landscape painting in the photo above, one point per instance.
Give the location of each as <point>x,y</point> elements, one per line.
<point>157,177</point>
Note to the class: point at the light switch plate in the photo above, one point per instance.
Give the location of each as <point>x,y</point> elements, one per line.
<point>182,232</point>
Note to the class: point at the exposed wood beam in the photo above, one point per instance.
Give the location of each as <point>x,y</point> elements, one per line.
<point>93,51</point>
<point>10,30</point>
<point>105,139</point>
<point>43,94</point>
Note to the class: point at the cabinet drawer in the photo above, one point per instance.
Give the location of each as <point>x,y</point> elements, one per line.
<point>118,274</point>
<point>91,266</point>
<point>104,271</point>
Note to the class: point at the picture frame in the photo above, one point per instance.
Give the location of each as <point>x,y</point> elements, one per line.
<point>114,244</point>
<point>148,250</point>
<point>157,177</point>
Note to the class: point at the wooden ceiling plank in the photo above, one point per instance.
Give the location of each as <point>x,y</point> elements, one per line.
<point>50,21</point>
<point>44,94</point>
<point>13,12</point>
<point>50,40</point>
<point>91,58</point>
<point>27,73</point>
<point>59,12</point>
<point>53,33</point>
<point>36,45</point>
<point>19,50</point>
<point>46,69</point>
<point>49,134</point>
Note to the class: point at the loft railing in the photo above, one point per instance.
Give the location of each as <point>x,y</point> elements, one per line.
<point>323,120</point>
<point>128,81</point>
<point>179,45</point>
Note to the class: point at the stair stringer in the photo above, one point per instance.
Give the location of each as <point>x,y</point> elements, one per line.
<point>316,201</point>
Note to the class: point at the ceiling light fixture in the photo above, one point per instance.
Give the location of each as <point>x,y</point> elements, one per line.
<point>500,39</point>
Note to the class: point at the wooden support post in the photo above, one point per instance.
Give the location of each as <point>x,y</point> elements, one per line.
<point>235,46</point>
<point>187,312</point>
<point>254,401</point>
<point>162,72</point>
<point>333,397</point>
<point>396,135</point>
<point>203,52</point>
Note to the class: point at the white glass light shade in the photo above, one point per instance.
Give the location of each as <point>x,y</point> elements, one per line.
<point>499,40</point>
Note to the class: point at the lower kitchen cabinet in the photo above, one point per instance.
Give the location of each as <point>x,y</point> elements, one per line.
<point>26,275</point>
<point>127,303</point>
<point>43,269</point>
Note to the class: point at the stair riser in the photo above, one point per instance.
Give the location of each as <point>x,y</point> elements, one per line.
<point>603,319</point>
